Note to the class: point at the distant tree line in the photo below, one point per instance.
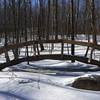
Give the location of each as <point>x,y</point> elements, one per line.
<point>23,20</point>
<point>47,17</point>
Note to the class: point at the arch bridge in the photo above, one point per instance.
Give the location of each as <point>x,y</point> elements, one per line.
<point>37,54</point>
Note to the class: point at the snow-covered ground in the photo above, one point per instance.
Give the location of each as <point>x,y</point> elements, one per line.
<point>27,85</point>
<point>32,82</point>
<point>32,86</point>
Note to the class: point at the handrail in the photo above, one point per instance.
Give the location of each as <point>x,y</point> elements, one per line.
<point>4,49</point>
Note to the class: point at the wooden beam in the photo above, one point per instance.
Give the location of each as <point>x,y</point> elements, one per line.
<point>55,57</point>
<point>4,49</point>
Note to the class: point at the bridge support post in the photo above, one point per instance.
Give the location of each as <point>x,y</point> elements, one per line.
<point>62,50</point>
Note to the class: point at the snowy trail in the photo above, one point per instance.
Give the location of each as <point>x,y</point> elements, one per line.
<point>26,87</point>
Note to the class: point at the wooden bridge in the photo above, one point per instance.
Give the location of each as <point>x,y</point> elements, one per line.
<point>37,56</point>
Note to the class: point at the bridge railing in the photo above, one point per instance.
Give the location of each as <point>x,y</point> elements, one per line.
<point>7,48</point>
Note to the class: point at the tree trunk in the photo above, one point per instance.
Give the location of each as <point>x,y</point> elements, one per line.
<point>5,28</point>
<point>72,34</point>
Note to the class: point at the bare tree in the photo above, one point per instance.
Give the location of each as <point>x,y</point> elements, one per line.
<point>72,34</point>
<point>5,29</point>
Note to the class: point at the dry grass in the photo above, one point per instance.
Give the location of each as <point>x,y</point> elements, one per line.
<point>87,83</point>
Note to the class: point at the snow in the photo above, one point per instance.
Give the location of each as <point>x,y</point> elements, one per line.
<point>34,86</point>
<point>31,82</point>
<point>51,65</point>
<point>20,85</point>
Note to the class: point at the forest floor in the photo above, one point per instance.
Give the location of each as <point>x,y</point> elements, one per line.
<point>32,82</point>
<point>20,83</point>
